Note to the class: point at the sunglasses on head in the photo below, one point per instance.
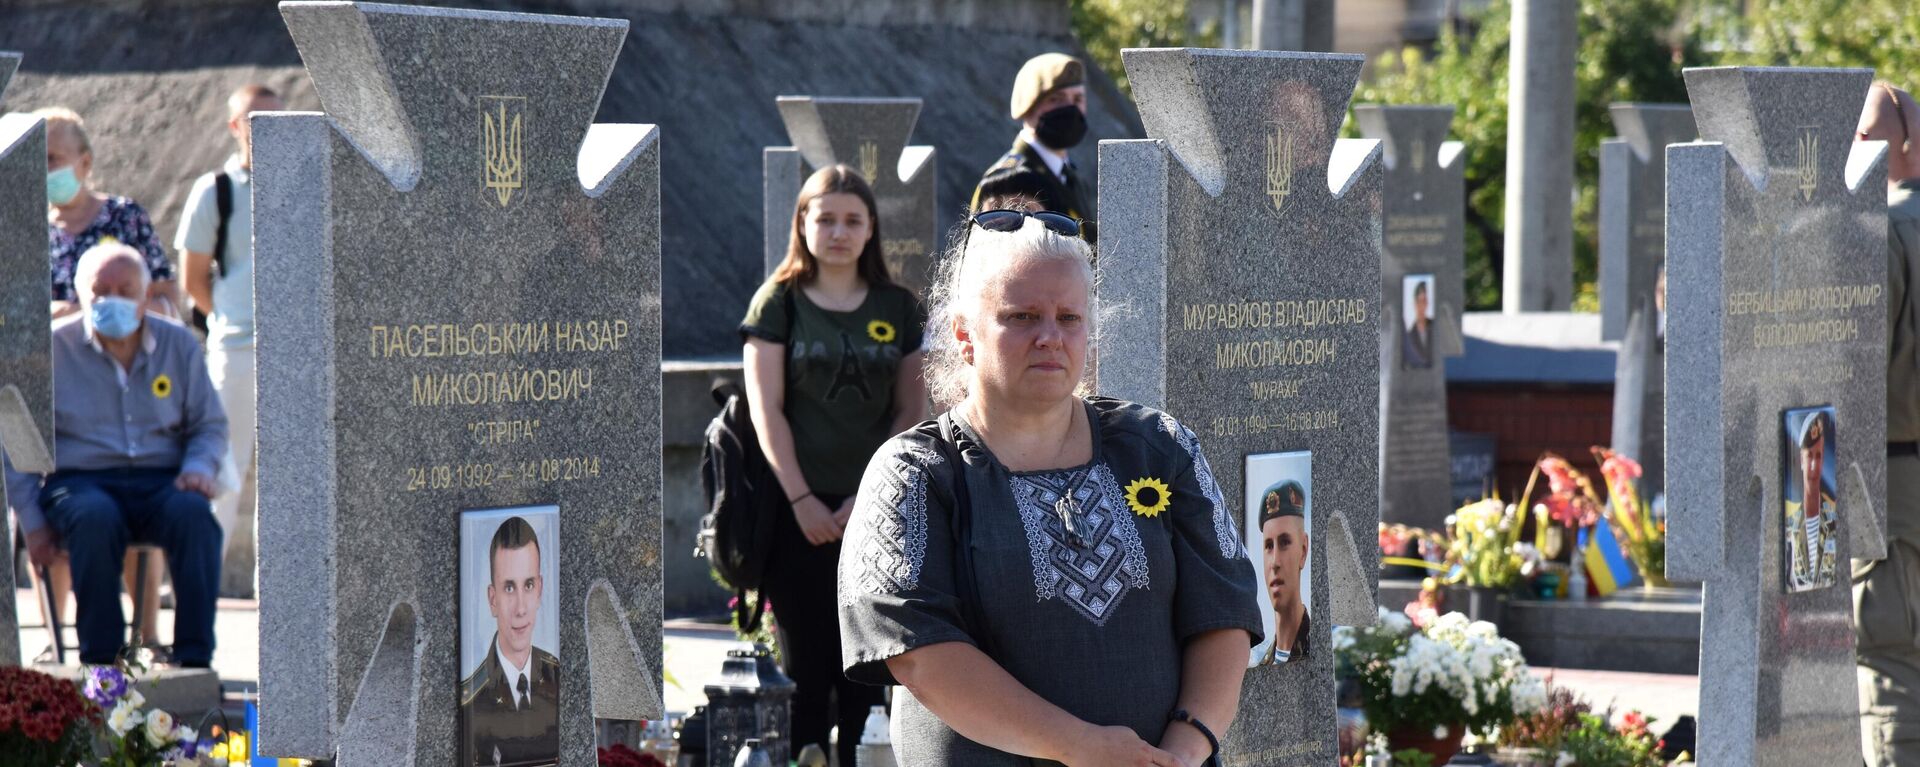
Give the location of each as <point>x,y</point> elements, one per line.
<point>1012,220</point>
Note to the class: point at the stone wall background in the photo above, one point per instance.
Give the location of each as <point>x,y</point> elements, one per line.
<point>151,79</point>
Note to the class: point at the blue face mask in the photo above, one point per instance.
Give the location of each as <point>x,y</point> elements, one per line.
<point>114,317</point>
<point>62,186</point>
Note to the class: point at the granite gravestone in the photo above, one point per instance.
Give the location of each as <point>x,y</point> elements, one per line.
<point>870,135</point>
<point>1633,248</point>
<point>1243,277</point>
<point>459,310</point>
<point>1633,211</point>
<point>1775,241</point>
<point>26,371</point>
<point>1422,295</point>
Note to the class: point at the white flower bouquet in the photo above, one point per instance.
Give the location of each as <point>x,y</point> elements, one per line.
<point>1454,676</point>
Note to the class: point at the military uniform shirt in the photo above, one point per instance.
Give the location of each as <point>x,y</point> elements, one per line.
<point>503,726</point>
<point>1903,359</point>
<point>1024,172</point>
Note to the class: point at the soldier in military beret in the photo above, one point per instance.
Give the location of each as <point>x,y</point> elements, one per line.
<point>510,704</point>
<point>1283,549</point>
<point>1050,101</point>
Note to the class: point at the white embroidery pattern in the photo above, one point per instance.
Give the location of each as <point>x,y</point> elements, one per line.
<point>1223,532</point>
<point>891,541</point>
<point>1091,578</point>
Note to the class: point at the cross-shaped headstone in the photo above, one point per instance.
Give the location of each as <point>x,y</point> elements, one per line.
<point>26,370</point>
<point>869,134</point>
<point>459,309</point>
<point>1242,267</point>
<point>1633,210</point>
<point>1633,248</point>
<point>1776,256</point>
<point>1421,270</point>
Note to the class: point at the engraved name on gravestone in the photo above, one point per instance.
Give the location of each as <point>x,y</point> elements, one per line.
<point>26,370</point>
<point>459,297</point>
<point>869,134</point>
<point>1633,249</point>
<point>1422,296</point>
<point>1244,268</point>
<point>1776,241</point>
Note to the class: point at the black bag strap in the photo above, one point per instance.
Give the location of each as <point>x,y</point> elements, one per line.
<point>747,624</point>
<point>223,201</point>
<point>960,522</point>
<point>722,391</point>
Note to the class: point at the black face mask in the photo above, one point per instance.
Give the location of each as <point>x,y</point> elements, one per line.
<point>1061,127</point>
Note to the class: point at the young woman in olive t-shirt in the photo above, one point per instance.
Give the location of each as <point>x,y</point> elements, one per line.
<point>833,369</point>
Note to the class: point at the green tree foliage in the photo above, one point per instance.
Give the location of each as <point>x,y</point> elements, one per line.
<point>1629,51</point>
<point>1882,34</point>
<point>1107,26</point>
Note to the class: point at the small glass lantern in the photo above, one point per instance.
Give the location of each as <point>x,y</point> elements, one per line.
<point>751,700</point>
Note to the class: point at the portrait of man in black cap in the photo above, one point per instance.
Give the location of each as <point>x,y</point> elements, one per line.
<point>510,703</point>
<point>1278,537</point>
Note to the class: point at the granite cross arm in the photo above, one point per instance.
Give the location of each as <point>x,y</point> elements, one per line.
<point>869,134</point>
<point>1240,265</point>
<point>1775,244</point>
<point>26,367</point>
<point>459,311</point>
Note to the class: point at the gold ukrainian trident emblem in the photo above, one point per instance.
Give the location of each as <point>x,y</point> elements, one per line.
<point>1279,166</point>
<point>1809,163</point>
<point>502,130</point>
<point>870,161</point>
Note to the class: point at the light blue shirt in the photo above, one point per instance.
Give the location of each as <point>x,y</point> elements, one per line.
<point>230,324</point>
<point>161,412</point>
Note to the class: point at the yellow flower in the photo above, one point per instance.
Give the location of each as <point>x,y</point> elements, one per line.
<point>162,386</point>
<point>880,331</point>
<point>1148,496</point>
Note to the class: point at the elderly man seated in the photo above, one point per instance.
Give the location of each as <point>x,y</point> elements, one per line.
<point>138,434</point>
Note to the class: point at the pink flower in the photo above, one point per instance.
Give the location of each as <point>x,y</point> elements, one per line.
<point>1633,724</point>
<point>1392,543</point>
<point>1560,474</point>
<point>1620,469</point>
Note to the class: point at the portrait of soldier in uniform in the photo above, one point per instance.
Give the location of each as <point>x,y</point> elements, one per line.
<point>510,701</point>
<point>1812,517</point>
<point>1416,326</point>
<point>1277,538</point>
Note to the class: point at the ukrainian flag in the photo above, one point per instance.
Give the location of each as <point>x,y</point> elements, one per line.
<point>1607,567</point>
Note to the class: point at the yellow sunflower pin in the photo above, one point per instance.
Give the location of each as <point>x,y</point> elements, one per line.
<point>162,386</point>
<point>1148,496</point>
<point>880,331</point>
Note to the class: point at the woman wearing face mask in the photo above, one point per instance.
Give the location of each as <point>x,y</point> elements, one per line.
<point>833,367</point>
<point>1050,101</point>
<point>79,218</point>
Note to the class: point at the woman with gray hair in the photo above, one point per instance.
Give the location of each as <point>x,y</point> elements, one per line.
<point>1047,575</point>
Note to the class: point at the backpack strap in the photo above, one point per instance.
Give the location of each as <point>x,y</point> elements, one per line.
<point>748,624</point>
<point>960,521</point>
<point>223,201</point>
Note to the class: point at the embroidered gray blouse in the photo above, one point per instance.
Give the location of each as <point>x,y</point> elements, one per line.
<point>1093,623</point>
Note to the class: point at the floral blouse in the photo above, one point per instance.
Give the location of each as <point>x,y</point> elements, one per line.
<point>1091,617</point>
<point>120,219</point>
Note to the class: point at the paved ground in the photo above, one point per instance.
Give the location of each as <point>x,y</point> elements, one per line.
<point>695,650</point>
